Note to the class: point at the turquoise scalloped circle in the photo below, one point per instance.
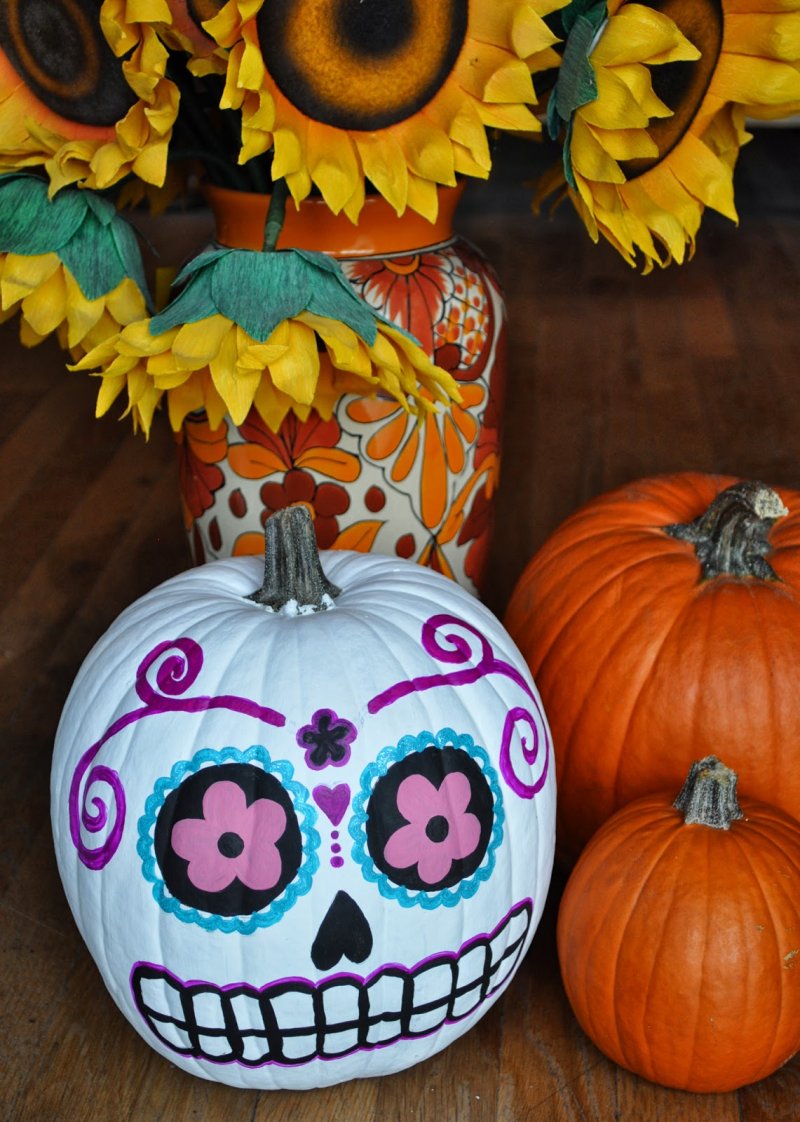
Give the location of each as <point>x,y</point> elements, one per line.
<point>306,817</point>
<point>445,897</point>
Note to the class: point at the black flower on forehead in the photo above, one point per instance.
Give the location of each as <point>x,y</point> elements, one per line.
<point>327,739</point>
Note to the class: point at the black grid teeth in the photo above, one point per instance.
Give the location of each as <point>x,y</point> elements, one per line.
<point>292,1022</point>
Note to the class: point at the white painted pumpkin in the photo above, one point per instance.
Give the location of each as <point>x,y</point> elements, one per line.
<point>304,846</point>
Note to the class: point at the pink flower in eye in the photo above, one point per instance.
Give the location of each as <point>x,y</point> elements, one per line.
<point>440,830</point>
<point>231,840</point>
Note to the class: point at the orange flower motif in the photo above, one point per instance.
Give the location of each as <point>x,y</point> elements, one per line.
<point>438,444</point>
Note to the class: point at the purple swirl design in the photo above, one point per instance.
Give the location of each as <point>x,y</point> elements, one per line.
<point>453,641</point>
<point>168,671</point>
<point>516,719</point>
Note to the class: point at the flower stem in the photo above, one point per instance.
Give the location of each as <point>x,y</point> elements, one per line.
<point>275,214</point>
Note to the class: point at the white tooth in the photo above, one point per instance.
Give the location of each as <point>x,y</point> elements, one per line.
<point>247,1012</point>
<point>160,995</point>
<point>471,966</point>
<point>300,1047</point>
<point>254,1049</point>
<point>385,1000</point>
<point>383,1031</point>
<point>215,1046</point>
<point>386,995</point>
<point>336,1043</point>
<point>507,949</point>
<point>434,984</point>
<point>340,1002</point>
<point>427,1022</point>
<point>466,1002</point>
<point>207,1009</point>
<point>172,1035</point>
<point>293,1009</point>
<point>515,930</point>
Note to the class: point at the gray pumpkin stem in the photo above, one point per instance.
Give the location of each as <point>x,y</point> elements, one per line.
<point>708,797</point>
<point>732,537</point>
<point>292,570</point>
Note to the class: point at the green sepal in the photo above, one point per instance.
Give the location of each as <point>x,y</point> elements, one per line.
<point>258,290</point>
<point>32,224</point>
<point>576,84</point>
<point>93,241</point>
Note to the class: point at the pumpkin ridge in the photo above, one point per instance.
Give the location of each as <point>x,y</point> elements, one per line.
<point>673,840</point>
<point>769,697</point>
<point>565,621</point>
<point>690,858</point>
<point>633,813</point>
<point>603,584</point>
<point>621,640</point>
<point>746,863</point>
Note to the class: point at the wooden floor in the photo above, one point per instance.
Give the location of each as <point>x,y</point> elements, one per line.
<point>612,376</point>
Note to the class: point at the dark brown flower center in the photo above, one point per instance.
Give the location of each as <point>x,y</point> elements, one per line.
<point>58,49</point>
<point>682,85</point>
<point>357,65</point>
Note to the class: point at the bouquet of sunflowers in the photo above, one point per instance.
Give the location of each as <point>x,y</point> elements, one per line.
<point>120,103</point>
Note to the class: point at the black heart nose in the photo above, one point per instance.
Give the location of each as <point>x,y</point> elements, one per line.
<point>343,933</point>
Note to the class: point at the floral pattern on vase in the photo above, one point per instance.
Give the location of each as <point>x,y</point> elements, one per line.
<point>372,477</point>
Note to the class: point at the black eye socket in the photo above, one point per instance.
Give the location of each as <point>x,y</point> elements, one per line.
<point>227,840</point>
<point>429,819</point>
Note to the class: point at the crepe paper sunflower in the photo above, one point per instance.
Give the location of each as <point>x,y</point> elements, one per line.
<point>87,98</point>
<point>69,265</point>
<point>185,32</point>
<point>278,330</point>
<point>400,94</point>
<point>659,142</point>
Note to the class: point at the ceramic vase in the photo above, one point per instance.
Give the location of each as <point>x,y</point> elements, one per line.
<point>372,477</point>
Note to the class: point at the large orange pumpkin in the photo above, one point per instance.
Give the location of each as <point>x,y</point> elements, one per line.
<point>661,623</point>
<point>679,943</point>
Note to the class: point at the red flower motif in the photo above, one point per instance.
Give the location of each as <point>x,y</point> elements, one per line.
<point>200,449</point>
<point>311,444</point>
<point>440,297</point>
<point>325,501</point>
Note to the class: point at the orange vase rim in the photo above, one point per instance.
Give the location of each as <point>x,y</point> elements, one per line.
<point>240,218</point>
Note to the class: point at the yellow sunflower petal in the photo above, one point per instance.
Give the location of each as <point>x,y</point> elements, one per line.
<point>296,371</point>
<point>400,119</point>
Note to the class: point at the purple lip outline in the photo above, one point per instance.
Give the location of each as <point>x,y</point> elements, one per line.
<point>274,1038</point>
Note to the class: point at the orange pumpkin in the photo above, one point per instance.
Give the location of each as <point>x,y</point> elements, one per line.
<point>661,623</point>
<point>679,943</point>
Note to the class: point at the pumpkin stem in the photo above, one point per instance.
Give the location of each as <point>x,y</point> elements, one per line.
<point>294,582</point>
<point>708,797</point>
<point>731,538</point>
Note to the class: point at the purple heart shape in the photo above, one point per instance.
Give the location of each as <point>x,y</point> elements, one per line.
<point>333,801</point>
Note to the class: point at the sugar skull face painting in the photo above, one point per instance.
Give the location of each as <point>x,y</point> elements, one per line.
<point>307,836</point>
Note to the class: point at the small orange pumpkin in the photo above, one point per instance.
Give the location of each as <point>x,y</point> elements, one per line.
<point>662,622</point>
<point>679,936</point>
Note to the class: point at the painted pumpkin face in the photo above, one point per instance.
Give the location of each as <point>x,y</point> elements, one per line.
<point>304,848</point>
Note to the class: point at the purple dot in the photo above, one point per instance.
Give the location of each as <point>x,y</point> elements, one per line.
<point>336,848</point>
<point>337,862</point>
<point>334,834</point>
